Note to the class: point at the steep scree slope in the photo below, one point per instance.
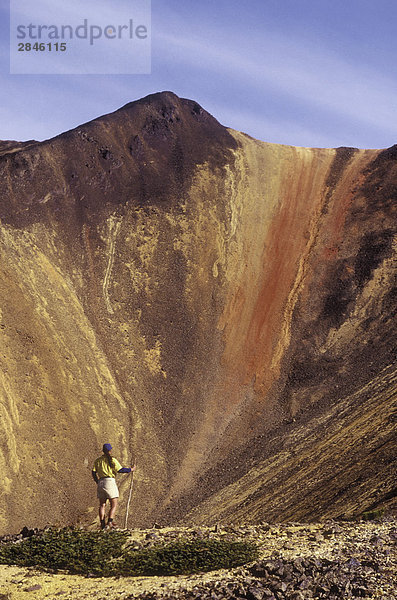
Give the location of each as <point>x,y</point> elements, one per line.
<point>220,308</point>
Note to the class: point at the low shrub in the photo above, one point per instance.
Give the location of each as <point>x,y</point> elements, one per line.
<point>105,554</point>
<point>73,550</point>
<point>184,557</point>
<point>373,515</point>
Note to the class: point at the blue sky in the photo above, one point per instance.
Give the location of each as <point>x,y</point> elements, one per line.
<point>318,73</point>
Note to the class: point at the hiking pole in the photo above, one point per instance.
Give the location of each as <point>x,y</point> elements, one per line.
<point>129,498</point>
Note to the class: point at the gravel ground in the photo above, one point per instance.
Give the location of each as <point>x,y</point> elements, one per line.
<point>297,561</point>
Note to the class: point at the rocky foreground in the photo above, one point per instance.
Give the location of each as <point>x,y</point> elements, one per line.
<point>297,561</point>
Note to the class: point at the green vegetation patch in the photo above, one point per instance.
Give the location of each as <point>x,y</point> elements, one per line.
<point>184,557</point>
<point>106,554</point>
<point>73,550</point>
<point>373,515</point>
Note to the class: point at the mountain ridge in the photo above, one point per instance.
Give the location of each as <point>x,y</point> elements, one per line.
<point>191,294</point>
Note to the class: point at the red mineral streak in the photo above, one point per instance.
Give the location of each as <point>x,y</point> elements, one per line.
<point>218,307</point>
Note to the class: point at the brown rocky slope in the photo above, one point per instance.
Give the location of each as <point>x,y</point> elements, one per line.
<point>220,308</point>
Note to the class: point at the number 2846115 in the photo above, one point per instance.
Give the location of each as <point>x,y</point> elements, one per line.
<point>42,47</point>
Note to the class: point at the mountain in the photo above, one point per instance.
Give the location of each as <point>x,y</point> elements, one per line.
<point>219,308</point>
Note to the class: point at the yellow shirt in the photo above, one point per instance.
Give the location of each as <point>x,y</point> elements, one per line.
<point>103,469</point>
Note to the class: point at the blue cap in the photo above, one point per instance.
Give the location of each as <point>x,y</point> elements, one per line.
<point>106,447</point>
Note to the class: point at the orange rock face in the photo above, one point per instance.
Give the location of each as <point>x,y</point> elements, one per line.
<point>218,308</point>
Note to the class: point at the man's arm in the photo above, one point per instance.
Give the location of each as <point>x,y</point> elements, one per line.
<point>94,476</point>
<point>126,469</point>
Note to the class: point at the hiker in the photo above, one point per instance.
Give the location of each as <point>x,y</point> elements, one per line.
<point>104,472</point>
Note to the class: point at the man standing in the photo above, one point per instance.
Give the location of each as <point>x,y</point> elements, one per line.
<point>104,473</point>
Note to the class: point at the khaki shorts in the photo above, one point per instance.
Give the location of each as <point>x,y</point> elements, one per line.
<point>107,489</point>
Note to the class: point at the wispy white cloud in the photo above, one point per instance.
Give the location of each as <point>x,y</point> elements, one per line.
<point>309,74</point>
<point>281,131</point>
<point>295,88</point>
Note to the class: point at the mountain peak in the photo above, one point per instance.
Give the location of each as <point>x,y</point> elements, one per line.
<point>151,147</point>
<point>219,308</point>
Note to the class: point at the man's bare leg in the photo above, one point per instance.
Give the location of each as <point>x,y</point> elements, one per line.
<point>113,508</point>
<point>102,510</point>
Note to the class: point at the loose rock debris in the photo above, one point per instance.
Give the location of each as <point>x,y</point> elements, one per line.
<point>331,560</point>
